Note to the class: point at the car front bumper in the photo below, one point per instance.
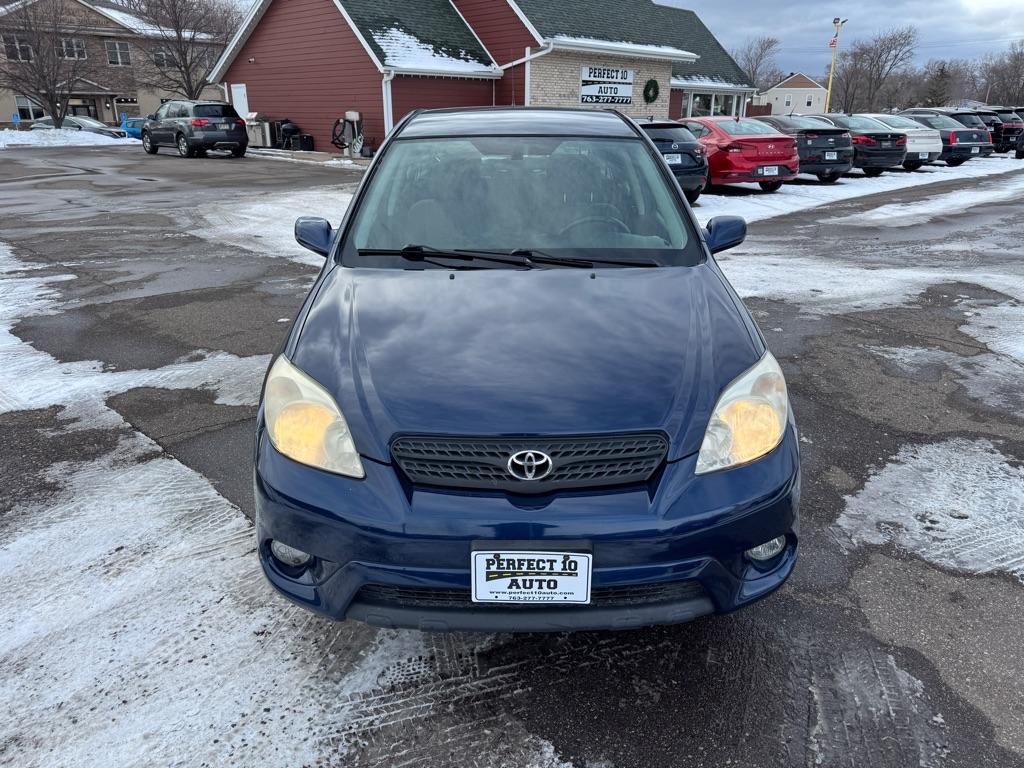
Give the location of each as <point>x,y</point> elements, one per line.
<point>398,556</point>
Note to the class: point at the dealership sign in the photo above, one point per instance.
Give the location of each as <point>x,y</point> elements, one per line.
<point>606,85</point>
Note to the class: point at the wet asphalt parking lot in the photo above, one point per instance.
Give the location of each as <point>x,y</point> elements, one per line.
<point>140,300</point>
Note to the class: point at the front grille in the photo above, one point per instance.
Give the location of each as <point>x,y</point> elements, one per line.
<point>608,597</point>
<point>576,462</point>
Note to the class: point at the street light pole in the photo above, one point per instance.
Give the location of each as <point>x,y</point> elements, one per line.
<point>834,45</point>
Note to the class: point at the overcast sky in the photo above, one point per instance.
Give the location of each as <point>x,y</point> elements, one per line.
<point>948,28</point>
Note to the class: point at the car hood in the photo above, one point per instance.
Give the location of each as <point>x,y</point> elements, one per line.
<point>526,352</point>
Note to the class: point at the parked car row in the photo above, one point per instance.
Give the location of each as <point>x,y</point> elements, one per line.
<point>772,149</point>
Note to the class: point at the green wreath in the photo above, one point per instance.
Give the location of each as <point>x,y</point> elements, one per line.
<point>651,91</point>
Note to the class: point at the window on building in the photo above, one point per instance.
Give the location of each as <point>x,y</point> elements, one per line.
<point>789,100</point>
<point>724,104</point>
<point>163,58</point>
<point>71,48</point>
<point>28,109</point>
<point>701,105</point>
<point>809,101</point>
<point>118,53</point>
<point>17,48</point>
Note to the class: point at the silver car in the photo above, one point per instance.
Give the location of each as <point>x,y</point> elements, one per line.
<point>80,123</point>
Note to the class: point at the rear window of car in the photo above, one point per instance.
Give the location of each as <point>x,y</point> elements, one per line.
<point>969,119</point>
<point>989,119</point>
<point>860,123</point>
<point>745,127</point>
<point>589,198</point>
<point>895,121</point>
<point>803,123</point>
<point>215,110</point>
<point>939,122</point>
<point>674,133</point>
<point>1008,116</point>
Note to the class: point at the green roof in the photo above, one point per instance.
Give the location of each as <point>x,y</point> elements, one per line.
<point>640,22</point>
<point>422,34</point>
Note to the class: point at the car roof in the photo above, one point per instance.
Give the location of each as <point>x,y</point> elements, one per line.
<point>516,121</point>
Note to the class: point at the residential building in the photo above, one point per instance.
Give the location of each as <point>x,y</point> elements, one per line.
<point>117,42</point>
<point>796,93</point>
<point>313,60</point>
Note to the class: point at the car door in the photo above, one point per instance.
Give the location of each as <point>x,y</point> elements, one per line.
<point>158,126</point>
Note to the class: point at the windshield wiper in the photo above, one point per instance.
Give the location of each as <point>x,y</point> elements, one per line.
<point>427,254</point>
<point>539,257</point>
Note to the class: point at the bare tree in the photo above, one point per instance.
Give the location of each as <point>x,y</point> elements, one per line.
<point>45,56</point>
<point>756,58</point>
<point>1003,76</point>
<point>864,69</point>
<point>182,40</point>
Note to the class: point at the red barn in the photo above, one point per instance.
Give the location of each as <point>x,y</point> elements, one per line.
<point>313,60</point>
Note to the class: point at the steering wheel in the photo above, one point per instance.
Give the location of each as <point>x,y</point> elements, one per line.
<point>619,224</point>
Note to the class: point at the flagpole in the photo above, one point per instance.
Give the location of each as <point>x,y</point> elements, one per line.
<point>834,45</point>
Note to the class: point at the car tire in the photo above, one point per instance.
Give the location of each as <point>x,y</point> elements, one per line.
<point>955,162</point>
<point>692,195</point>
<point>238,152</point>
<point>829,178</point>
<point>183,146</point>
<point>912,165</point>
<point>872,173</point>
<point>148,145</point>
<point>770,186</point>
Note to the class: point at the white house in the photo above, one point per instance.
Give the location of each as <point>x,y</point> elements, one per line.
<point>795,93</point>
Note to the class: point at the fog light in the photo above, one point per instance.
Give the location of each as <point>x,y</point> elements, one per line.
<point>768,550</point>
<point>290,556</point>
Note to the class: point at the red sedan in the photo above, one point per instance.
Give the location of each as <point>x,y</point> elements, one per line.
<point>743,150</point>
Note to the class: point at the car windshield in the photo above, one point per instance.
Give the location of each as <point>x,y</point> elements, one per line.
<point>89,122</point>
<point>895,121</point>
<point>970,119</point>
<point>857,123</point>
<point>745,127</point>
<point>587,198</point>
<point>675,133</point>
<point>215,110</point>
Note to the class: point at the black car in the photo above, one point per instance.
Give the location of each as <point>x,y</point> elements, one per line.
<point>194,127</point>
<point>683,153</point>
<point>959,143</point>
<point>825,151</point>
<point>994,126</point>
<point>979,138</point>
<point>876,146</point>
<point>1010,129</point>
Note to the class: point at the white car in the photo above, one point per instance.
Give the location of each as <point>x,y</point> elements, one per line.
<point>924,145</point>
<point>80,123</point>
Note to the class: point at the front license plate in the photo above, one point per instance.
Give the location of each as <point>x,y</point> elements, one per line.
<point>674,159</point>
<point>975,150</point>
<point>770,170</point>
<point>831,155</point>
<point>531,577</point>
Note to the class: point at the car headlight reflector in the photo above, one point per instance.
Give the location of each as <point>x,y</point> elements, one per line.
<point>749,418</point>
<point>305,424</point>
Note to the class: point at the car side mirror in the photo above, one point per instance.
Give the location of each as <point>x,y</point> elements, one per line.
<point>725,232</point>
<point>314,233</point>
<point>151,117</point>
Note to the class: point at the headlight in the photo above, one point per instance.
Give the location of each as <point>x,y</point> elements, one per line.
<point>749,418</point>
<point>305,424</point>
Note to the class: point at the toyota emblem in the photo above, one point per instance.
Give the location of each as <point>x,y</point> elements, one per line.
<point>529,465</point>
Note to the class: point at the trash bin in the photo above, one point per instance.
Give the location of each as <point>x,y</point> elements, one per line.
<point>288,130</point>
<point>302,143</point>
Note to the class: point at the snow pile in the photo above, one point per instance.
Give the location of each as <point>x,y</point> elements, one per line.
<point>799,196</point>
<point>405,51</point>
<point>267,224</point>
<point>60,137</point>
<point>957,504</point>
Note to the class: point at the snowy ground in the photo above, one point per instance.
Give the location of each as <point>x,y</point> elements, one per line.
<point>63,137</point>
<point>137,630</point>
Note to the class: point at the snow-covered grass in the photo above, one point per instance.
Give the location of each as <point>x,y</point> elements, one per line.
<point>958,504</point>
<point>799,196</point>
<point>61,137</point>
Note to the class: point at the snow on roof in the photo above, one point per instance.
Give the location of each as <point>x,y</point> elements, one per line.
<point>134,23</point>
<point>403,50</point>
<point>700,81</point>
<point>627,48</point>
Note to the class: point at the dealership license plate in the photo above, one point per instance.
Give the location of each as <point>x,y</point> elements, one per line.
<point>770,170</point>
<point>674,159</point>
<point>501,576</point>
<point>831,155</point>
<point>225,126</point>
<point>885,143</point>
<point>922,155</point>
<point>975,150</point>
